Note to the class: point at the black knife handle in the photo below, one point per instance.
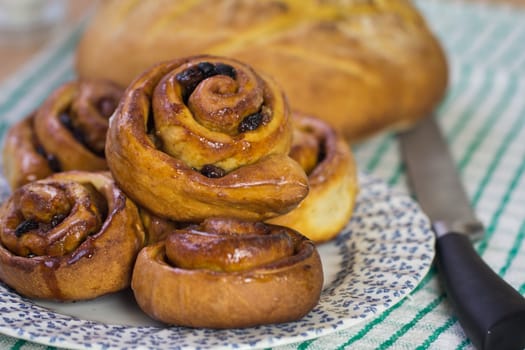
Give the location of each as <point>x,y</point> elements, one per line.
<point>490,311</point>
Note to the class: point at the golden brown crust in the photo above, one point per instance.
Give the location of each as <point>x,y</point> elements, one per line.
<point>332,177</point>
<point>214,290</point>
<point>157,228</point>
<point>171,163</point>
<point>363,66</point>
<point>67,132</point>
<point>71,236</point>
<point>22,163</point>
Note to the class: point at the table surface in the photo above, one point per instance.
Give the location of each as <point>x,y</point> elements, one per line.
<point>482,116</point>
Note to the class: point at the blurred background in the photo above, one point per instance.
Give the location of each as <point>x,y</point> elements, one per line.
<point>27,26</point>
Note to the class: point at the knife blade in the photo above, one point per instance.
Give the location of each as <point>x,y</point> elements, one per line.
<point>490,311</point>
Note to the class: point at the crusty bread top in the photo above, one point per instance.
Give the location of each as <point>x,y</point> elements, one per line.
<point>364,66</point>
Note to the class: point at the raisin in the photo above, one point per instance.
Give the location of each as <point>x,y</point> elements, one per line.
<point>26,226</point>
<point>79,134</point>
<point>189,79</point>
<point>57,219</point>
<point>40,150</point>
<point>321,154</point>
<point>53,162</point>
<point>65,119</point>
<point>150,122</point>
<point>251,122</point>
<point>212,171</point>
<point>106,106</point>
<point>225,69</point>
<point>207,69</point>
<point>80,137</point>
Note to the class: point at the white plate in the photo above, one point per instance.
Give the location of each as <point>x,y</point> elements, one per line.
<point>378,259</point>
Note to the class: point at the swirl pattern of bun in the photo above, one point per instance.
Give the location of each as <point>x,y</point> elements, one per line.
<point>227,273</point>
<point>67,132</point>
<point>327,159</point>
<point>204,137</point>
<point>71,236</point>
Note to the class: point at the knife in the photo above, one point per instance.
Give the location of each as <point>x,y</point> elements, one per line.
<point>490,311</point>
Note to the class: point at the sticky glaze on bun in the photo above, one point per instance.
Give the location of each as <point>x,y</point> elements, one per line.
<point>203,137</point>
<point>71,236</point>
<point>228,273</point>
<point>67,132</point>
<point>327,159</point>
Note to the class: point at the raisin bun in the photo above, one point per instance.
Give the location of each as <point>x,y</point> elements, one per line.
<point>363,66</point>
<point>71,236</point>
<point>205,136</point>
<point>332,177</point>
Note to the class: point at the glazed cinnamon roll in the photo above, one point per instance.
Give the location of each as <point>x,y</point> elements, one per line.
<point>228,274</point>
<point>157,228</point>
<point>327,159</point>
<point>203,137</point>
<point>71,236</point>
<point>67,132</point>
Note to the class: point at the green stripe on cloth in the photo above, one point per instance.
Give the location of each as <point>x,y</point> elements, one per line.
<point>463,344</point>
<point>501,29</point>
<point>51,62</point>
<point>481,135</point>
<point>433,337</point>
<point>384,315</point>
<point>51,85</point>
<point>462,164</point>
<point>521,289</point>
<point>305,345</point>
<point>461,123</point>
<point>430,307</point>
<point>513,252</point>
<point>381,150</point>
<point>375,160</point>
<point>504,201</point>
<point>18,345</point>
<point>510,258</point>
<point>510,137</point>
<point>515,57</point>
<point>472,108</point>
<point>443,109</point>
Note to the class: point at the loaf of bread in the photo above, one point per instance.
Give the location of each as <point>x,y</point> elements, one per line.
<point>363,66</point>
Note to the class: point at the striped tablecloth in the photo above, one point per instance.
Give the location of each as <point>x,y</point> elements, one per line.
<point>483,117</point>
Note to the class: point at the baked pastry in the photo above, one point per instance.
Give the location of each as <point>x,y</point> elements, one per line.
<point>228,274</point>
<point>157,228</point>
<point>67,132</point>
<point>363,66</point>
<point>327,159</point>
<point>71,236</point>
<point>203,137</point>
